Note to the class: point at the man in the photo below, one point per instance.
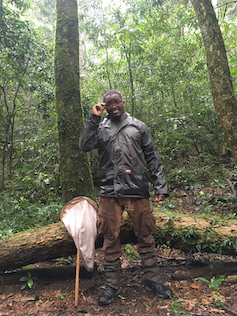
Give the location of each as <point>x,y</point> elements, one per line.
<point>126,151</point>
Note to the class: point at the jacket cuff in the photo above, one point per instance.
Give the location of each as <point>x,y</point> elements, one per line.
<point>94,118</point>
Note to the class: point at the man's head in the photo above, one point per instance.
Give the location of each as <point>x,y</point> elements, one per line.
<point>114,104</point>
<point>111,92</point>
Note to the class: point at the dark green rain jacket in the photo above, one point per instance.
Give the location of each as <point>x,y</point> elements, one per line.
<point>126,152</point>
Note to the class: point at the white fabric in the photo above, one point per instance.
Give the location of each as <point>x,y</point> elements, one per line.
<point>80,221</point>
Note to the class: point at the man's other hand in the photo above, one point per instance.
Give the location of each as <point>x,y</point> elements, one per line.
<point>159,197</point>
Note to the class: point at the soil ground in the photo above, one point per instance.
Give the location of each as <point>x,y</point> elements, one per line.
<point>55,295</point>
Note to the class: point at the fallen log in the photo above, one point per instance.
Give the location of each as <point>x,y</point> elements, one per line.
<point>45,243</point>
<point>53,241</point>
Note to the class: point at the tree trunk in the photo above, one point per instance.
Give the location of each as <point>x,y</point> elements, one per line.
<point>128,58</point>
<point>75,172</point>
<point>106,47</point>
<point>53,241</point>
<point>224,99</point>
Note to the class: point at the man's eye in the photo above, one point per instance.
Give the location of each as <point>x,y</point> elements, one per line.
<point>117,102</point>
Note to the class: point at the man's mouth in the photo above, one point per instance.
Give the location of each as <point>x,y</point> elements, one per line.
<point>115,111</point>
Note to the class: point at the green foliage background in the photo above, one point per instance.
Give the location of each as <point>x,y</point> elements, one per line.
<point>151,51</point>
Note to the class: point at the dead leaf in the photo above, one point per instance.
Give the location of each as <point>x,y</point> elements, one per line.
<point>216,310</point>
<point>57,293</point>
<point>231,279</point>
<point>91,300</point>
<point>195,286</point>
<point>124,264</point>
<point>219,298</point>
<point>164,307</point>
<point>201,308</point>
<point>207,301</point>
<point>153,310</point>
<point>148,309</point>
<point>189,304</point>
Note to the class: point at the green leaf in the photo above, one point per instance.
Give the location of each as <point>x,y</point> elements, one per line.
<point>204,280</point>
<point>23,286</point>
<point>217,280</point>
<point>29,266</point>
<point>23,279</point>
<point>30,283</point>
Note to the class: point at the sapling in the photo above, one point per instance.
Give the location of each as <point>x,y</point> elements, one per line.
<point>29,280</point>
<point>214,283</point>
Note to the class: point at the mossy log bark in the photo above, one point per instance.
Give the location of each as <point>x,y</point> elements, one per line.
<point>53,241</point>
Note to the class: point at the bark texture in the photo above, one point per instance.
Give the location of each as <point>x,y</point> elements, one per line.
<point>224,98</point>
<point>53,241</point>
<point>76,179</point>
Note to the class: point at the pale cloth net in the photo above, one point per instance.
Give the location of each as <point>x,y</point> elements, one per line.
<point>79,217</point>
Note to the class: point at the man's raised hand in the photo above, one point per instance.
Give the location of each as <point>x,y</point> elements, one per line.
<point>98,109</point>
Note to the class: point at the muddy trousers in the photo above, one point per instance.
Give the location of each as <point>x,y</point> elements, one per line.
<point>140,212</point>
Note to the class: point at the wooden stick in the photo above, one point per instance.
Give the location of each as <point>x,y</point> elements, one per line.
<point>77,279</point>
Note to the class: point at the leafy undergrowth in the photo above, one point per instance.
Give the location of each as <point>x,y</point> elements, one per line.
<point>55,296</point>
<point>211,202</point>
<point>213,206</point>
<point>215,200</point>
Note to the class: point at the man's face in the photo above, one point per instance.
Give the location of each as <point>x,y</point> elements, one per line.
<point>114,106</point>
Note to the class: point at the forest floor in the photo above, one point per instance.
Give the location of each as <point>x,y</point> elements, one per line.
<point>53,293</point>
<point>54,296</point>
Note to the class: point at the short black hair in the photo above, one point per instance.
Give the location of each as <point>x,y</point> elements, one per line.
<point>112,92</point>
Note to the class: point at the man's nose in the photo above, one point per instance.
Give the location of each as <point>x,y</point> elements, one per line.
<point>113,104</point>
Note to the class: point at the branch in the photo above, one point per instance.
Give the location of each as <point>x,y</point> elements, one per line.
<point>225,3</point>
<point>18,88</point>
<point>231,185</point>
<point>227,309</point>
<point>106,46</point>
<point>5,99</point>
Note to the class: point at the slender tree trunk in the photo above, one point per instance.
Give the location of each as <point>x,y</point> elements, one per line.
<point>224,99</point>
<point>2,185</point>
<point>11,127</point>
<point>106,49</point>
<point>173,94</point>
<point>128,57</point>
<point>75,172</point>
<point>6,119</point>
<point>11,147</point>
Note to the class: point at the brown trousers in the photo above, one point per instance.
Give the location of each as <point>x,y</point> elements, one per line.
<point>140,212</point>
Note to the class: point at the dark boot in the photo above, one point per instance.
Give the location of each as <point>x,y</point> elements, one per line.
<point>159,289</point>
<point>107,296</point>
<point>112,282</point>
<point>151,276</point>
